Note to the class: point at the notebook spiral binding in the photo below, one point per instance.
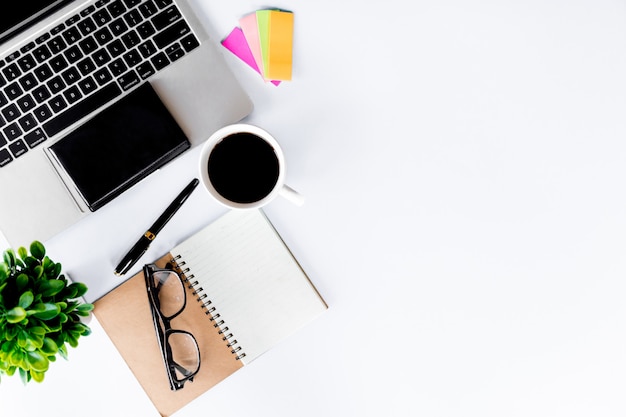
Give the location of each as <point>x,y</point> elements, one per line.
<point>210,310</point>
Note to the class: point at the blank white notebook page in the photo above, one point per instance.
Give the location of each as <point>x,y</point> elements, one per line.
<point>256,285</point>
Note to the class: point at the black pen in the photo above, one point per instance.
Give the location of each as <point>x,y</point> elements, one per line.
<point>144,241</point>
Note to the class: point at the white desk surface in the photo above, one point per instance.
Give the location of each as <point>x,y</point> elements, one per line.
<point>464,167</point>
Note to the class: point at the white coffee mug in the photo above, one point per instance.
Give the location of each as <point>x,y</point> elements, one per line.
<point>243,167</point>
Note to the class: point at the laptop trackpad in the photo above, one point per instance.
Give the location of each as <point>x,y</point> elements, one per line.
<point>120,146</point>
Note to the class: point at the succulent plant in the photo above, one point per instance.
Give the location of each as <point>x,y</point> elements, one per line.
<point>40,312</point>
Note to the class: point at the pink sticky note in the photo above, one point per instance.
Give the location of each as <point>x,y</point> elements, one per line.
<point>250,28</point>
<point>236,43</point>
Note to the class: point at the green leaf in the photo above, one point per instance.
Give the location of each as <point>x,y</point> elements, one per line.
<point>22,252</point>
<point>37,376</point>
<point>21,281</point>
<point>84,309</point>
<point>49,346</point>
<point>63,351</point>
<point>38,250</point>
<point>4,272</point>
<point>38,330</point>
<point>37,361</point>
<point>51,287</point>
<point>31,262</point>
<point>80,287</point>
<point>38,270</point>
<point>9,258</point>
<point>26,299</point>
<point>16,314</point>
<point>25,376</point>
<point>46,311</point>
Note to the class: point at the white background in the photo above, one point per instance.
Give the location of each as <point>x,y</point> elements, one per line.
<point>463,165</point>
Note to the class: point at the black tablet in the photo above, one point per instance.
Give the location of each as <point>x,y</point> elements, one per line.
<point>120,146</point>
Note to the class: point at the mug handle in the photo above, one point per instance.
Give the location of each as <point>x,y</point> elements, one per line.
<point>291,195</point>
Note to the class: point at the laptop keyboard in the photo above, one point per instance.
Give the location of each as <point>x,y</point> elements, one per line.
<point>82,64</point>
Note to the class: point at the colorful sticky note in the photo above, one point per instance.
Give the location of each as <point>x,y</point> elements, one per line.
<point>237,43</point>
<point>265,42</point>
<point>250,30</point>
<point>263,24</point>
<point>280,45</point>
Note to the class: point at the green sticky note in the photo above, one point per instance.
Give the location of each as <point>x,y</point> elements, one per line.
<point>263,24</point>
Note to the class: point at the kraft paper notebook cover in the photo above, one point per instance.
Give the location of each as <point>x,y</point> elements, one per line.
<point>241,277</point>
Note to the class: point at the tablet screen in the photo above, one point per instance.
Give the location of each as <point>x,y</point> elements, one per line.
<point>120,146</point>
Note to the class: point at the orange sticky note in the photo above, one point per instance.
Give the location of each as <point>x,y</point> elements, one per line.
<point>280,46</point>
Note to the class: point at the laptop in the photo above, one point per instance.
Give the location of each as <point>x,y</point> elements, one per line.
<point>62,62</point>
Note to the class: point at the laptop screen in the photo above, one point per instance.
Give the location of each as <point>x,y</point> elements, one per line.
<point>24,14</point>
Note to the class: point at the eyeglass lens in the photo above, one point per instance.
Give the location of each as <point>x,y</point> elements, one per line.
<point>184,354</point>
<point>170,292</point>
<point>171,296</point>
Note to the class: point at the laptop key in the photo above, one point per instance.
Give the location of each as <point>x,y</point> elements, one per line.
<point>18,148</point>
<point>56,44</point>
<point>26,63</point>
<point>41,53</point>
<point>86,26</point>
<point>128,80</point>
<point>160,61</point>
<point>189,42</point>
<point>82,109</point>
<point>116,8</point>
<point>41,94</point>
<point>148,9</point>
<point>56,84</point>
<point>102,76</point>
<point>174,52</point>
<point>145,70</point>
<point>88,45</point>
<point>166,17</point>
<point>13,90</point>
<point>58,63</point>
<point>87,85</point>
<point>71,35</point>
<point>43,72</point>
<point>72,94</point>
<point>102,17</point>
<point>28,82</point>
<point>5,155</point>
<point>26,103</point>
<point>133,18</point>
<point>11,72</point>
<point>35,137</point>
<point>73,54</point>
<point>27,122</point>
<point>12,132</point>
<point>11,112</point>
<point>131,39</point>
<point>43,113</point>
<point>57,104</point>
<point>86,66</point>
<point>171,34</point>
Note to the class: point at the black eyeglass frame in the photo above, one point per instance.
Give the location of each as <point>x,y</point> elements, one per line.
<point>165,331</point>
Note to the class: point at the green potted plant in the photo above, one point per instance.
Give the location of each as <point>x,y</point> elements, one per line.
<point>40,312</point>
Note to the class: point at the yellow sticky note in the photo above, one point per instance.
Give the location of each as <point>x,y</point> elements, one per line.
<point>280,46</point>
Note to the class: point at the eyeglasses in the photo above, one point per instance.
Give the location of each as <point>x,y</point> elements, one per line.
<point>181,355</point>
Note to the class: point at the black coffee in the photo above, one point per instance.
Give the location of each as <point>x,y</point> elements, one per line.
<point>243,168</point>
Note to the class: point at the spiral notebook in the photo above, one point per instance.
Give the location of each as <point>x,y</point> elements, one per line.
<point>245,293</point>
